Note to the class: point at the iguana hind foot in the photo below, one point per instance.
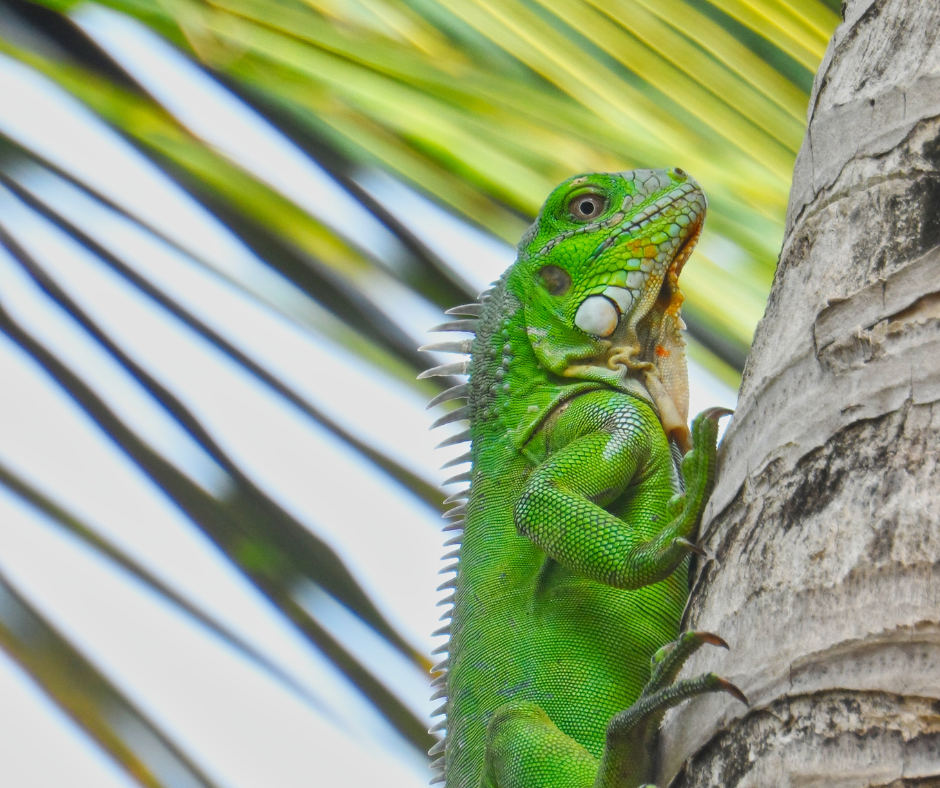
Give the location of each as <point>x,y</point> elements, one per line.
<point>628,752</point>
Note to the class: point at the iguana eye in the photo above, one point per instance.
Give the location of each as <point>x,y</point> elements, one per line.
<point>556,280</point>
<point>586,206</point>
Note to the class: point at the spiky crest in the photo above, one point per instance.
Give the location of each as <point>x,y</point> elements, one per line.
<point>460,392</point>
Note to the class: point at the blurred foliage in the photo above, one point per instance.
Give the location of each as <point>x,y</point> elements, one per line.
<point>479,105</point>
<point>485,107</point>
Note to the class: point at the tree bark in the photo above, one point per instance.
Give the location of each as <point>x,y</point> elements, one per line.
<point>825,524</point>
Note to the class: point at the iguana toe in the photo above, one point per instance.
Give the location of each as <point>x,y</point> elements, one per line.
<point>724,685</point>
<point>668,661</point>
<point>716,413</point>
<point>690,546</point>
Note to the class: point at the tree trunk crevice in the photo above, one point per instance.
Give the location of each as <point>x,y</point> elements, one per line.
<point>833,739</point>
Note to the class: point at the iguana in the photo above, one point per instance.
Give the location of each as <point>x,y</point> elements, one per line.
<point>572,554</point>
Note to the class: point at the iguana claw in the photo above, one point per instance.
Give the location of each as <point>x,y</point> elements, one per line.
<point>712,639</point>
<point>690,546</point>
<point>726,686</point>
<point>716,413</point>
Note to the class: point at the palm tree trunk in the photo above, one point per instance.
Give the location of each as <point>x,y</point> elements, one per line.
<point>825,525</point>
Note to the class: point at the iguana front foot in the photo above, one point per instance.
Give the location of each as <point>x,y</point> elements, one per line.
<point>628,753</point>
<point>698,469</point>
<point>661,555</point>
<point>698,477</point>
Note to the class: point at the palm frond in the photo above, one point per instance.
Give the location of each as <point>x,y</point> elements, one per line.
<point>90,699</point>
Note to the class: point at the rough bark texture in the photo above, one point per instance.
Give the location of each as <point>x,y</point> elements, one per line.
<point>825,525</point>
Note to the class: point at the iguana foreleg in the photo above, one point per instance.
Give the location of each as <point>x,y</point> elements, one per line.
<point>561,508</point>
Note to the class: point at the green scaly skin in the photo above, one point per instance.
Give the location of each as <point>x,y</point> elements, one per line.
<point>572,569</point>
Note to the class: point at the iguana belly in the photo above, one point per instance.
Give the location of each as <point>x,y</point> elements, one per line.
<point>525,628</point>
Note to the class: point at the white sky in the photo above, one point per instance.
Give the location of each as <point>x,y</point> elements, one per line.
<point>244,726</point>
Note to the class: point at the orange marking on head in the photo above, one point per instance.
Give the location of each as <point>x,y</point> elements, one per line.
<point>650,251</point>
<point>662,352</point>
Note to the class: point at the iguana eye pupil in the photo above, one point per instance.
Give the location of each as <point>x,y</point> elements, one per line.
<point>556,280</point>
<point>586,206</point>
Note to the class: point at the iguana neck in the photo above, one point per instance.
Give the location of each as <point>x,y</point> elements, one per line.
<point>511,392</point>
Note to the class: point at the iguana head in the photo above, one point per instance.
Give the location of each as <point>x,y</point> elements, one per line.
<point>598,273</point>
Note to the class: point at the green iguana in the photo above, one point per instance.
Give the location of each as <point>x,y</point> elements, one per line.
<point>571,570</point>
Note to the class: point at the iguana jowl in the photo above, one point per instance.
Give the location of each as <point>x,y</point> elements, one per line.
<point>571,569</point>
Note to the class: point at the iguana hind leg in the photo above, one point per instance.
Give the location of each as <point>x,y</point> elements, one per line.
<point>525,749</point>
